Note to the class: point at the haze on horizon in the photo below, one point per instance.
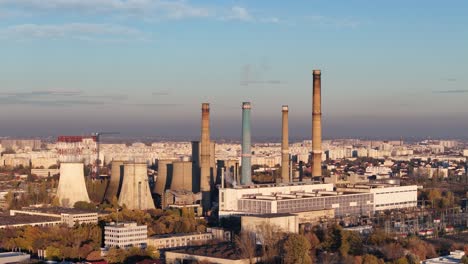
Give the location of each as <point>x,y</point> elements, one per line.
<point>143,68</point>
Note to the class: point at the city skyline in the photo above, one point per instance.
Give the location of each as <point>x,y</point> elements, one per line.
<point>144,67</point>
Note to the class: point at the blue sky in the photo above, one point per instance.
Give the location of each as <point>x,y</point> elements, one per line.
<point>143,67</point>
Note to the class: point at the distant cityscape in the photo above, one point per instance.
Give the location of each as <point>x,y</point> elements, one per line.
<point>83,199</point>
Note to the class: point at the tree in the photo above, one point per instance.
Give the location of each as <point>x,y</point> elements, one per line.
<point>84,205</point>
<point>370,259</point>
<point>401,260</point>
<point>245,242</point>
<point>296,250</point>
<point>53,253</point>
<point>464,259</point>
<point>270,236</point>
<point>116,255</point>
<point>393,251</point>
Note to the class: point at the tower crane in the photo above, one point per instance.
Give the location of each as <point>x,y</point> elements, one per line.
<point>98,142</point>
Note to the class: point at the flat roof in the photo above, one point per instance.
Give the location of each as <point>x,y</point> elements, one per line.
<point>177,235</point>
<point>57,210</point>
<point>26,219</point>
<point>12,254</point>
<point>219,250</point>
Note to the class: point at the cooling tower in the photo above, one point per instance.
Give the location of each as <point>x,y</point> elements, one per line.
<point>316,126</point>
<point>135,192</point>
<point>115,183</point>
<point>164,172</point>
<point>246,141</point>
<point>72,186</point>
<point>181,176</point>
<point>285,145</point>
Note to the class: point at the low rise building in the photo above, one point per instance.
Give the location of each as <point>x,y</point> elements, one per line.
<point>125,235</point>
<point>222,253</point>
<point>178,240</point>
<point>68,216</point>
<point>14,257</point>
<point>28,220</point>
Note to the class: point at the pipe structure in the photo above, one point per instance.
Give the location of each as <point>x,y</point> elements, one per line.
<point>285,145</point>
<point>246,141</point>
<point>205,160</point>
<point>316,125</point>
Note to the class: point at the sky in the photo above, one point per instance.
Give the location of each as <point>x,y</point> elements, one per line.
<point>390,69</point>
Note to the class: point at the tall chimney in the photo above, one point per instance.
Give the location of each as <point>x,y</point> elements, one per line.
<point>205,175</point>
<point>316,126</point>
<point>246,152</point>
<point>285,145</point>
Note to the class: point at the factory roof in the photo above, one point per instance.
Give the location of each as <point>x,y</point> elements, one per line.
<point>57,210</point>
<point>26,219</point>
<point>178,235</point>
<point>220,250</point>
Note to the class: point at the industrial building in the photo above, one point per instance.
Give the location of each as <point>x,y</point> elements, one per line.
<point>68,216</point>
<point>178,240</point>
<point>28,220</point>
<point>14,257</point>
<point>221,253</point>
<point>286,222</point>
<point>294,198</point>
<point>387,197</point>
<point>125,235</point>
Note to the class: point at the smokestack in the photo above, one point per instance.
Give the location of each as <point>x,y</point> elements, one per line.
<point>285,145</point>
<point>316,126</point>
<point>205,175</point>
<point>246,152</point>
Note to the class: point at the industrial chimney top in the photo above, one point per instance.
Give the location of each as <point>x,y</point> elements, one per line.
<point>205,106</point>
<point>246,105</point>
<point>285,108</point>
<point>316,72</point>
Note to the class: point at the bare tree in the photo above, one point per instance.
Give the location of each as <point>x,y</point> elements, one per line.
<point>245,242</point>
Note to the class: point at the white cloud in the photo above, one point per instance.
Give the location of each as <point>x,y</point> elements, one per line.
<point>239,13</point>
<point>176,9</point>
<point>81,31</point>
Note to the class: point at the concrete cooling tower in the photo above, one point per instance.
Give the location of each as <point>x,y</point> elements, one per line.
<point>115,183</point>
<point>72,186</point>
<point>135,193</point>
<point>164,172</point>
<point>182,176</point>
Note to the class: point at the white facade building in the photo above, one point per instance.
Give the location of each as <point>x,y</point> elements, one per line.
<point>124,235</point>
<point>387,198</point>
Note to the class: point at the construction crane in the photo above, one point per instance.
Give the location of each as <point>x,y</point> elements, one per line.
<point>98,142</point>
